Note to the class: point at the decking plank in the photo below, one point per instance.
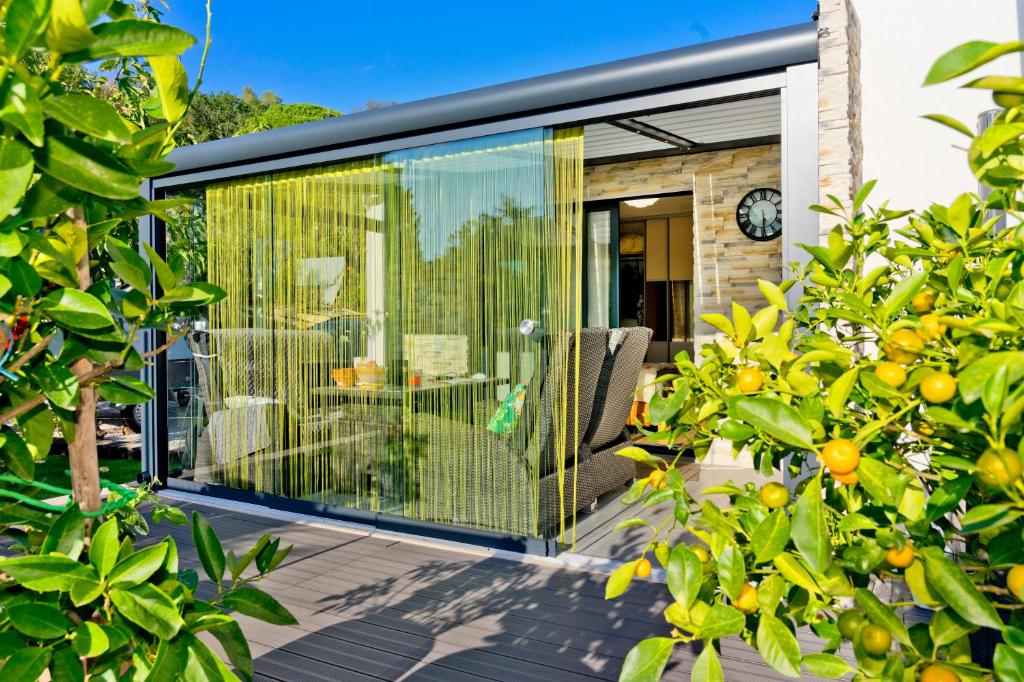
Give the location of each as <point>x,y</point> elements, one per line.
<point>375,608</point>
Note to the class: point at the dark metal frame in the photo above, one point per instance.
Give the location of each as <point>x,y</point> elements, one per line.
<point>746,67</point>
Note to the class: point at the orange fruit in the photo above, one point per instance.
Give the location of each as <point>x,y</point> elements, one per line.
<point>891,373</point>
<point>938,673</point>
<point>875,639</point>
<point>841,456</point>
<point>998,468</point>
<point>938,387</point>
<point>900,558</point>
<point>701,553</point>
<point>749,380</point>
<point>923,301</point>
<point>657,479</point>
<point>903,346</point>
<point>850,622</point>
<point>746,601</point>
<point>774,495</point>
<point>1015,581</point>
<point>933,328</point>
<point>643,568</point>
<point>847,479</point>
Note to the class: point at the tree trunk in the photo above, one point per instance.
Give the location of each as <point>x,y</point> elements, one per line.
<point>85,472</point>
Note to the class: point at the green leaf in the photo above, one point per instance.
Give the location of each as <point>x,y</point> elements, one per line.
<point>16,166</point>
<point>126,390</point>
<point>773,294</point>
<point>947,627</point>
<point>172,86</point>
<point>839,392</point>
<point>258,604</point>
<point>27,664</point>
<point>770,536</point>
<point>38,621</point>
<point>89,115</point>
<point>639,455</point>
<point>149,608</point>
<point>165,275</point>
<point>646,661</point>
<point>774,418</point>
<point>732,572</point>
<point>778,646</point>
<point>707,667</point>
<point>1009,664</point>
<point>59,384</point>
<point>20,107</point>
<point>171,659</point>
<point>810,534</point>
<point>68,30</point>
<point>950,122</point>
<point>619,580</point>
<point>202,663</point>
<point>719,322</point>
<point>47,573</point>
<point>66,535</point>
<point>90,640</point>
<point>949,582</point>
<point>74,309</point>
<point>684,575</point>
<point>25,22</point>
<point>104,547</point>
<point>235,645</point>
<point>987,516</point>
<point>211,554</point>
<point>15,455</point>
<point>901,294</point>
<point>794,571</point>
<point>197,293</point>
<point>770,591</point>
<point>881,614</point>
<point>828,666</point>
<point>77,163</point>
<point>138,567</point>
<point>881,480</point>
<point>967,57</point>
<point>65,666</point>
<point>972,379</point>
<point>721,621</point>
<point>133,38</point>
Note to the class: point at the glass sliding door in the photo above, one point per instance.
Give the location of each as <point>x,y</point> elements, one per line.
<point>390,330</point>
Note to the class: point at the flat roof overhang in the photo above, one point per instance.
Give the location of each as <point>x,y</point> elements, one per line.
<point>569,96</point>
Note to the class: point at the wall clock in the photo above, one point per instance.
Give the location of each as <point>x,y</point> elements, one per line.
<point>759,214</point>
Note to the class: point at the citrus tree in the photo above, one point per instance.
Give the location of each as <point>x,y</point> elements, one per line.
<point>890,399</point>
<point>77,598</point>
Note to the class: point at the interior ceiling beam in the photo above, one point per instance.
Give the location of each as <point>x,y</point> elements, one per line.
<point>653,132</point>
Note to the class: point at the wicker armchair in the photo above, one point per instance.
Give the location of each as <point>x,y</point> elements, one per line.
<point>491,482</point>
<point>607,434</point>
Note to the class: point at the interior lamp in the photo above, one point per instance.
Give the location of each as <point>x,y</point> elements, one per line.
<point>641,203</point>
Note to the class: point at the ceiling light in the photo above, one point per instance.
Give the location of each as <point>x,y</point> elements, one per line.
<point>641,203</point>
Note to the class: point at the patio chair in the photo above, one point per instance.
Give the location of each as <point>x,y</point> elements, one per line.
<point>243,435</point>
<point>491,481</point>
<point>604,469</point>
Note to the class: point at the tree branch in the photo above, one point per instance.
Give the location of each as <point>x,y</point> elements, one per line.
<point>35,350</point>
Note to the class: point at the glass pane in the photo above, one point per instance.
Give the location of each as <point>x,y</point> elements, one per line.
<point>369,353</point>
<point>599,268</point>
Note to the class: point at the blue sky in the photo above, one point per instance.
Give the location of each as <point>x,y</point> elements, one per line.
<point>340,53</point>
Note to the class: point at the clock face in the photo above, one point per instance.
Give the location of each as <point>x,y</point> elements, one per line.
<point>759,214</point>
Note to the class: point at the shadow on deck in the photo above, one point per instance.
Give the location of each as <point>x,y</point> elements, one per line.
<point>373,608</point>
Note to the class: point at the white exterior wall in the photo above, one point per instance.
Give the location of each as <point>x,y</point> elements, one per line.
<point>914,159</point>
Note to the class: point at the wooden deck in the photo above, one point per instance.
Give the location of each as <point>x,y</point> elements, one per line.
<point>390,608</point>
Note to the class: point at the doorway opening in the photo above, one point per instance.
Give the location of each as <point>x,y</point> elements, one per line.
<point>639,269</point>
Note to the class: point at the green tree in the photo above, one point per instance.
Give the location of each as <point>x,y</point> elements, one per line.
<point>74,148</point>
<point>281,115</point>
<point>893,394</point>
<point>216,116</point>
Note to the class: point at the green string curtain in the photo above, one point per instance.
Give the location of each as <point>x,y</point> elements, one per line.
<point>424,262</point>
